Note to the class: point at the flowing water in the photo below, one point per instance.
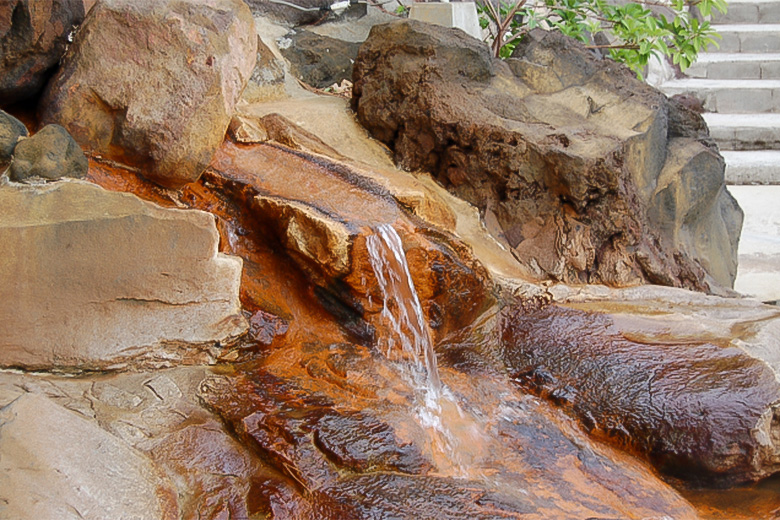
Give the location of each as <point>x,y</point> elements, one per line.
<point>410,346</point>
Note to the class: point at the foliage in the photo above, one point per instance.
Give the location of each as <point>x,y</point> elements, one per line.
<point>634,32</point>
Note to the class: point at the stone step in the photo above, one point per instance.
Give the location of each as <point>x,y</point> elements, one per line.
<point>715,65</point>
<point>745,131</point>
<point>758,274</point>
<point>730,96</point>
<point>749,11</point>
<point>754,167</point>
<point>747,38</point>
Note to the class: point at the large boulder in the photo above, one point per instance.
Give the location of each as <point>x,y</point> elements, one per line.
<point>561,150</point>
<point>91,279</point>
<point>153,84</point>
<point>33,37</point>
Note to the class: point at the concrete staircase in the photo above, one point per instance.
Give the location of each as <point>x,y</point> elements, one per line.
<point>739,86</point>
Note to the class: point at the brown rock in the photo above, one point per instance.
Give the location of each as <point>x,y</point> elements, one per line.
<point>93,280</point>
<point>51,476</point>
<point>559,150</point>
<point>33,37</point>
<point>691,381</point>
<point>153,84</point>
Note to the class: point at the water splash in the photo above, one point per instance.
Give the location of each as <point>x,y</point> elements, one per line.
<point>410,347</point>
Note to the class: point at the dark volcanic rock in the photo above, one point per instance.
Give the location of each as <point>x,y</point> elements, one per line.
<point>563,150</point>
<point>319,60</point>
<point>49,154</point>
<point>11,130</point>
<point>33,37</point>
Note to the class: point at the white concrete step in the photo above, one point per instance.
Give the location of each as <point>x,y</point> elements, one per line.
<point>747,38</point>
<point>730,96</point>
<point>745,131</point>
<point>749,11</point>
<point>715,65</point>
<point>758,274</point>
<point>754,167</point>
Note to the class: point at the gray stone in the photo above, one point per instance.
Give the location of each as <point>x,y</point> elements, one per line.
<point>50,154</point>
<point>11,130</point>
<point>319,60</point>
<point>58,464</point>
<point>267,80</point>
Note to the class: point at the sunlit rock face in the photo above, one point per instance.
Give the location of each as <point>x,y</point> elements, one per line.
<point>585,173</point>
<point>153,84</point>
<point>92,279</point>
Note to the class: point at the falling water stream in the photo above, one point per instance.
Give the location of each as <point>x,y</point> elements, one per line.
<point>410,347</point>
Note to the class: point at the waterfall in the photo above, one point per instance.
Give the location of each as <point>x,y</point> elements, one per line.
<point>402,311</point>
<point>410,347</point>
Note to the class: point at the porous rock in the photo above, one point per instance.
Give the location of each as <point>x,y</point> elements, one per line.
<point>559,148</point>
<point>153,84</point>
<point>92,279</point>
<point>266,82</point>
<point>50,154</point>
<point>33,37</point>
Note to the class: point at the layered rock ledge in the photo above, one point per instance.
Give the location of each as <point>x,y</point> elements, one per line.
<point>92,279</point>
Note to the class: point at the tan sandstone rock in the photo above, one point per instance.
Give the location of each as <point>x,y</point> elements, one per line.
<point>91,279</point>
<point>154,83</point>
<point>57,464</point>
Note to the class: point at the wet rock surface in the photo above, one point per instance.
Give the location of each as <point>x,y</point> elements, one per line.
<point>689,382</point>
<point>93,279</point>
<point>160,104</point>
<point>563,152</point>
<point>33,37</point>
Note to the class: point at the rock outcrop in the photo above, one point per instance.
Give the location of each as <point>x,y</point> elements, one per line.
<point>33,37</point>
<point>50,154</point>
<point>47,475</point>
<point>94,280</point>
<point>153,84</point>
<point>691,381</point>
<point>564,154</point>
